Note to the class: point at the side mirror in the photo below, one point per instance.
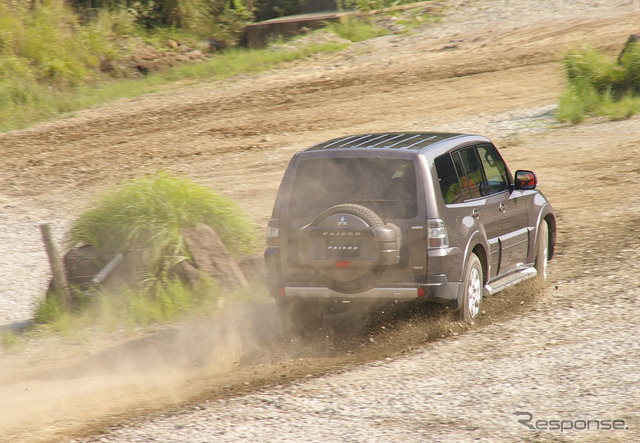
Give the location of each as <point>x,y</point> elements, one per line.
<point>526,180</point>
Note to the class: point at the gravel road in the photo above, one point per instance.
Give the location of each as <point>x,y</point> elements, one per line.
<point>571,359</point>
<point>568,355</point>
<point>565,366</point>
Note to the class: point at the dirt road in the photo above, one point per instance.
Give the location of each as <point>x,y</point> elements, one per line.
<point>491,67</point>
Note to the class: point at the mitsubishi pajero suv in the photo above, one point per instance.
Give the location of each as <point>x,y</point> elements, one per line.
<point>393,217</point>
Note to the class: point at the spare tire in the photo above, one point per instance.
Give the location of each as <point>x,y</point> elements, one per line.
<point>366,214</point>
<point>347,241</point>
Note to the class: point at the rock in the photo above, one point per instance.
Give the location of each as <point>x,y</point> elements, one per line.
<point>82,265</point>
<point>186,272</point>
<point>211,257</point>
<point>127,273</point>
<point>253,267</point>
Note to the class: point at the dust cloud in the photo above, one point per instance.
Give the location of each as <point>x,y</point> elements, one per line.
<point>61,387</point>
<point>65,390</point>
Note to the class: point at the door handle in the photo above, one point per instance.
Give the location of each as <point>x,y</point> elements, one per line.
<point>475,213</point>
<point>502,208</point>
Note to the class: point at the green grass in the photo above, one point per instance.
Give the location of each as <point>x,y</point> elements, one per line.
<point>129,309</point>
<point>238,61</point>
<point>8,339</point>
<point>355,29</point>
<point>126,309</point>
<point>144,217</point>
<point>599,87</point>
<point>24,101</point>
<point>147,213</point>
<point>52,63</point>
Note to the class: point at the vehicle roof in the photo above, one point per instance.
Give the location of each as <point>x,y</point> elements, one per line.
<point>414,141</point>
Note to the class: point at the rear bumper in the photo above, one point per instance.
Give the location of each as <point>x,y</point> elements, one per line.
<point>371,294</point>
<point>441,291</point>
<point>437,288</point>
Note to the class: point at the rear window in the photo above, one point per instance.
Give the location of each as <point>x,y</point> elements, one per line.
<point>387,187</point>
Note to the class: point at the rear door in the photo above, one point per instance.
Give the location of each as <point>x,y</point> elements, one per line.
<point>461,179</point>
<point>483,204</point>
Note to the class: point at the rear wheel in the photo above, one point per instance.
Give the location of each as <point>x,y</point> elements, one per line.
<point>473,288</point>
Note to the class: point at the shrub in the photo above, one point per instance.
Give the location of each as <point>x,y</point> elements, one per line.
<point>146,214</point>
<point>355,29</point>
<point>597,86</point>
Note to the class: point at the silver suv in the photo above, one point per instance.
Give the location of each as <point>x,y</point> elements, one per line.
<point>403,216</point>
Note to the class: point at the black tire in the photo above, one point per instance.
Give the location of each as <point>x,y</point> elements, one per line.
<point>473,289</point>
<point>542,254</point>
<point>302,318</point>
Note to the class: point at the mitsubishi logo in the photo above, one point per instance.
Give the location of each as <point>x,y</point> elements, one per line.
<point>342,222</point>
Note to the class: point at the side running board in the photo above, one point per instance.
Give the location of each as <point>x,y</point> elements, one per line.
<point>509,280</point>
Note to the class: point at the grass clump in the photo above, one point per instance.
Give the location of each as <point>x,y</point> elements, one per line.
<point>599,87</point>
<point>143,218</point>
<point>146,215</point>
<point>356,29</point>
<point>8,339</point>
<point>238,61</point>
<point>127,308</point>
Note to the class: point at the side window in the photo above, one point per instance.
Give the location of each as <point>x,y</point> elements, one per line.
<point>448,178</point>
<point>494,169</point>
<point>473,177</point>
<point>457,161</point>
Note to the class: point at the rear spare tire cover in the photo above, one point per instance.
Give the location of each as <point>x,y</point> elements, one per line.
<point>347,241</point>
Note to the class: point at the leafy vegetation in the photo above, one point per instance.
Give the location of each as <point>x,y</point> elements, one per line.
<point>8,339</point>
<point>128,308</point>
<point>355,29</point>
<point>147,213</point>
<point>59,56</point>
<point>144,217</point>
<point>370,5</point>
<point>53,62</point>
<point>599,87</point>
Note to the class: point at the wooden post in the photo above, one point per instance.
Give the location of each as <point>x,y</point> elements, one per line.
<point>60,282</point>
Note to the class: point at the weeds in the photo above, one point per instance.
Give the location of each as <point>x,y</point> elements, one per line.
<point>356,30</point>
<point>143,218</point>
<point>128,309</point>
<point>147,213</point>
<point>598,87</point>
<point>24,100</point>
<point>8,339</point>
<point>55,61</point>
<point>245,61</point>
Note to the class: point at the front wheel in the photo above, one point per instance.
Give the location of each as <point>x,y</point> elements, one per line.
<point>473,288</point>
<point>542,254</point>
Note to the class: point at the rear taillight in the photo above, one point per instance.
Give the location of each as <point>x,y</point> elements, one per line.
<point>272,233</point>
<point>438,236</point>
